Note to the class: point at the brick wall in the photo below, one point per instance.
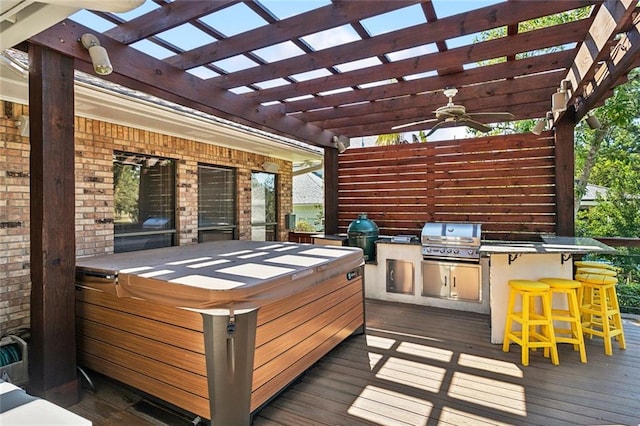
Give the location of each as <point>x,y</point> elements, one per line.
<point>95,142</point>
<point>15,284</point>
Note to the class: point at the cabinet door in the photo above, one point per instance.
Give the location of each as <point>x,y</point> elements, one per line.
<point>399,276</point>
<point>435,279</point>
<point>465,282</point>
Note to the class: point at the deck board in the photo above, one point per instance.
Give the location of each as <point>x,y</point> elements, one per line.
<point>421,365</point>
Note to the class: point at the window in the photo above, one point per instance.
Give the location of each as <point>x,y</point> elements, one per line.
<point>264,208</point>
<point>216,203</point>
<point>144,200</point>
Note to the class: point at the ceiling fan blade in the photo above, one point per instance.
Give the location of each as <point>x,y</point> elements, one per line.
<point>440,125</point>
<point>481,127</point>
<point>491,117</point>
<point>414,123</point>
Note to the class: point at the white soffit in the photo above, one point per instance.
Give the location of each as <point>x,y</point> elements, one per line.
<point>101,104</point>
<point>22,19</point>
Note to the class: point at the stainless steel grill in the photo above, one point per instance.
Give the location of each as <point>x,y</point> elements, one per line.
<point>451,241</point>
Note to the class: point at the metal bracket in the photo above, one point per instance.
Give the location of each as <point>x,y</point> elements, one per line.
<point>565,258</point>
<point>513,257</point>
<point>231,325</point>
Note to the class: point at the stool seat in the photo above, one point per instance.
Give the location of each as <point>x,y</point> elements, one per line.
<point>592,264</point>
<point>528,285</point>
<point>561,283</point>
<point>596,279</point>
<point>536,329</point>
<point>597,271</point>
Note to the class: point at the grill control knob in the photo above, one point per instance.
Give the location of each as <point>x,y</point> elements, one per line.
<point>471,252</point>
<point>456,251</point>
<point>442,250</point>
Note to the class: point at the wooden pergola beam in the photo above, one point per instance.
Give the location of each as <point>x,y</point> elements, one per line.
<point>431,32</point>
<point>475,98</point>
<point>52,368</point>
<point>610,19</point>
<point>323,18</point>
<point>503,70</point>
<point>624,57</point>
<point>566,33</point>
<point>168,16</point>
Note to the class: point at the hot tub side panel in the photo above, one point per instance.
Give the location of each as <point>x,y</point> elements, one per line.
<point>295,332</point>
<point>154,348</point>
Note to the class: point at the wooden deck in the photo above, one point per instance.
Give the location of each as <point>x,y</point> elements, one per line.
<point>425,366</point>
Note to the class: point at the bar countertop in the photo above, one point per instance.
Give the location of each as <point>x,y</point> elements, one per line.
<point>551,244</point>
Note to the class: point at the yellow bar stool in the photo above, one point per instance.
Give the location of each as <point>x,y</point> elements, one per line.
<point>536,329</point>
<point>593,267</point>
<point>596,271</point>
<point>571,315</point>
<point>593,264</point>
<point>590,296</point>
<point>600,310</point>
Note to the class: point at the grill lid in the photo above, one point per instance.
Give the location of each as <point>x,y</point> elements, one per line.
<point>455,234</point>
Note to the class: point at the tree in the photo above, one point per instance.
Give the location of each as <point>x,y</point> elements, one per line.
<point>615,143</point>
<point>126,191</point>
<point>389,139</point>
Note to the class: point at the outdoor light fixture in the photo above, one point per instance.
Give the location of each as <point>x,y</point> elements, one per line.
<point>341,142</point>
<point>593,122</point>
<point>99,56</point>
<point>270,167</point>
<point>541,124</point>
<point>22,123</point>
<point>549,118</point>
<point>560,98</point>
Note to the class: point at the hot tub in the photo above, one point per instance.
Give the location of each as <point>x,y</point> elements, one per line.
<point>216,329</point>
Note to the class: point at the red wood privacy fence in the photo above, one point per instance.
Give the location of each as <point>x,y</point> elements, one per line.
<point>506,183</point>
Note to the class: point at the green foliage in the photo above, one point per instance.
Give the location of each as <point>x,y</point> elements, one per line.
<point>389,139</point>
<point>534,24</point>
<point>629,297</point>
<point>304,226</point>
<point>617,165</point>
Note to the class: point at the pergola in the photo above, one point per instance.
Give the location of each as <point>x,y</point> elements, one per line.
<point>318,99</point>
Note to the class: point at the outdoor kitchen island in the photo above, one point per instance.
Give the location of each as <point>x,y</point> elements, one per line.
<point>475,283</point>
<point>553,257</point>
<point>216,329</point>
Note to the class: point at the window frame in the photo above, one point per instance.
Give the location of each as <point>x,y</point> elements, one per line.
<point>167,232</point>
<point>233,227</point>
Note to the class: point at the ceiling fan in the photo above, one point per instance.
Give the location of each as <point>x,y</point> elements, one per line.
<point>452,115</point>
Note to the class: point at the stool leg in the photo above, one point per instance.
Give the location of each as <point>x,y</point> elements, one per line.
<point>525,328</point>
<point>604,317</point>
<point>509,322</point>
<point>576,325</point>
<point>616,318</point>
<point>546,309</point>
<point>587,303</point>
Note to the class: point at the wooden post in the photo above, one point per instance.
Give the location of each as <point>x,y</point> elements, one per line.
<point>51,110</point>
<point>564,162</point>
<point>330,191</point>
